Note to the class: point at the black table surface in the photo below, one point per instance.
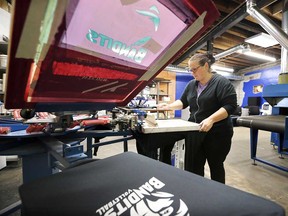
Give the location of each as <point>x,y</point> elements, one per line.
<point>132,184</point>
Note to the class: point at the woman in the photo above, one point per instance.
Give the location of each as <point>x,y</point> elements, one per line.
<point>212,98</point>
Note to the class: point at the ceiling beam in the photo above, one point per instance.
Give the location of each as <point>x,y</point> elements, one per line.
<point>238,32</point>
<point>277,8</point>
<point>230,20</point>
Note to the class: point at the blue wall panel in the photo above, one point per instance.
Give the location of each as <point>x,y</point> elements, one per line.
<point>182,80</point>
<point>264,77</point>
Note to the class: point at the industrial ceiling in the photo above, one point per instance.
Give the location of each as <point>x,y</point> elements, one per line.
<point>231,29</point>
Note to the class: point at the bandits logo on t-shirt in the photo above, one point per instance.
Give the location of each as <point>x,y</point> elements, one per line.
<point>147,200</point>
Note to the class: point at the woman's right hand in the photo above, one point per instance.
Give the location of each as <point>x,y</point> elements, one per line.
<point>163,106</point>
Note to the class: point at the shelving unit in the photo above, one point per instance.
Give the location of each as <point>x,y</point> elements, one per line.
<point>3,50</point>
<point>158,93</point>
<point>162,90</point>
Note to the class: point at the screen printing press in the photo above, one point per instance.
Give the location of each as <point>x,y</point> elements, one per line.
<point>70,58</point>
<point>277,123</point>
<point>62,150</point>
<point>64,65</point>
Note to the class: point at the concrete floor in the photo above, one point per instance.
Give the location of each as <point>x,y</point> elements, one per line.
<point>262,180</point>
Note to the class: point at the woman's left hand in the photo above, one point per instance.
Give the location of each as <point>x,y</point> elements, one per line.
<point>206,125</point>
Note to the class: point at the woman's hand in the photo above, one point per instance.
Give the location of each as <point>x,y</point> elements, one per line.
<point>206,125</point>
<point>172,106</point>
<point>163,106</point>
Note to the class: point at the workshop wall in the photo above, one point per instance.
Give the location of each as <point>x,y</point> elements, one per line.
<point>238,85</point>
<point>255,81</point>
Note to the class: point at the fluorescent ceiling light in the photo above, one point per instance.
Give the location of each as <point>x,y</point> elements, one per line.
<point>220,68</point>
<point>260,56</point>
<point>239,49</point>
<point>228,52</point>
<point>173,68</point>
<point>262,39</point>
<point>230,75</point>
<point>223,73</point>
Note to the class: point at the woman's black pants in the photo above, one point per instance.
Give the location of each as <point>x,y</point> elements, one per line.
<point>212,147</point>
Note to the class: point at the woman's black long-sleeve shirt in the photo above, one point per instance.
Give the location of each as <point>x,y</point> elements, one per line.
<point>218,93</point>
